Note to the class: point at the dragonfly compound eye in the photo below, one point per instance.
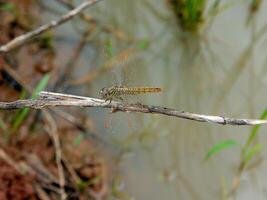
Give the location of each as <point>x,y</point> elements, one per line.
<point>104,92</point>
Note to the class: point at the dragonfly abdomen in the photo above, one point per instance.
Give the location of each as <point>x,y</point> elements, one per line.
<point>118,91</point>
<point>138,90</point>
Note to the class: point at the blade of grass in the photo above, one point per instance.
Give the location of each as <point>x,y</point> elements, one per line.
<point>10,7</point>
<point>2,125</point>
<point>219,147</point>
<point>40,86</point>
<point>77,141</point>
<point>253,133</point>
<point>109,50</point>
<point>21,116</point>
<point>252,152</point>
<point>82,185</point>
<point>4,128</point>
<point>144,44</point>
<point>23,95</point>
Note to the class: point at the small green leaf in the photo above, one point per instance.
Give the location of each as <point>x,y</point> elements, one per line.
<point>10,7</point>
<point>77,141</point>
<point>18,112</point>
<point>46,41</point>
<point>82,185</point>
<point>109,48</point>
<point>143,44</point>
<point>19,118</point>
<point>252,152</point>
<point>219,147</point>
<point>254,132</point>
<point>40,86</point>
<point>2,125</point>
<point>94,180</point>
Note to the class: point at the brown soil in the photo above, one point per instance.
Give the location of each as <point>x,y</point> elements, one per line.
<point>85,172</point>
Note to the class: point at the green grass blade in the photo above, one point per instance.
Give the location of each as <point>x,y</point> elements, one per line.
<point>41,86</point>
<point>221,146</point>
<point>21,116</point>
<point>2,125</point>
<point>10,7</point>
<point>18,112</point>
<point>109,50</point>
<point>252,152</point>
<point>144,44</point>
<point>77,141</point>
<point>19,119</point>
<point>23,95</point>
<point>254,132</point>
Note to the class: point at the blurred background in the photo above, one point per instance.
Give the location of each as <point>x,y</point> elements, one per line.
<point>208,56</point>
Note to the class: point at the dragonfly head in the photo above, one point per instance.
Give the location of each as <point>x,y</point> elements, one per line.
<point>104,93</point>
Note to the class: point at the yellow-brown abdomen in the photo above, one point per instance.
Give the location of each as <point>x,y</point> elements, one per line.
<point>139,90</point>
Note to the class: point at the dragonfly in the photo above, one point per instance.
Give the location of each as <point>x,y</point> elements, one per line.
<point>116,92</point>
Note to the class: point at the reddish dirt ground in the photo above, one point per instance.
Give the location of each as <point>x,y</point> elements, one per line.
<point>85,172</point>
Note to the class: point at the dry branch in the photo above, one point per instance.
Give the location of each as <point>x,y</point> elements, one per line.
<point>93,21</point>
<point>47,99</point>
<point>18,41</point>
<point>53,133</point>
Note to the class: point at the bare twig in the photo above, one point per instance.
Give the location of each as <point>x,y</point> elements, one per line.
<point>18,41</point>
<point>58,99</point>
<point>10,161</point>
<point>52,131</point>
<point>105,28</point>
<point>40,192</point>
<point>33,167</point>
<point>13,73</point>
<point>65,115</point>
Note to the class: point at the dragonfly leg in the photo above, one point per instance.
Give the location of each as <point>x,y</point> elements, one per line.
<point>108,99</point>
<point>120,98</point>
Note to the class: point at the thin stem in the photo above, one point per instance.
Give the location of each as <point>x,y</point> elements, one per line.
<point>46,99</point>
<point>18,41</point>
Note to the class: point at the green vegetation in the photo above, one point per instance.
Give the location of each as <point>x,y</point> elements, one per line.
<point>192,14</point>
<point>255,5</point>
<point>79,138</point>
<point>143,44</point>
<point>9,7</point>
<point>189,13</point>
<point>219,147</point>
<point>46,41</point>
<point>249,150</point>
<point>23,113</point>
<point>83,185</point>
<point>2,125</point>
<point>108,48</point>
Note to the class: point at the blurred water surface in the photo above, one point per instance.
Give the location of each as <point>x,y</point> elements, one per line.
<point>220,72</point>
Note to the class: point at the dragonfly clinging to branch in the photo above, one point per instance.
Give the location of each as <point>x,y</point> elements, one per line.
<point>116,92</point>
